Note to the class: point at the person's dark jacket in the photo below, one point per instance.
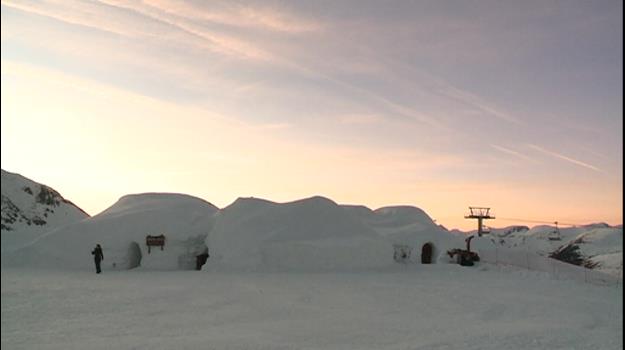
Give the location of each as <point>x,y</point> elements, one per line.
<point>97,254</point>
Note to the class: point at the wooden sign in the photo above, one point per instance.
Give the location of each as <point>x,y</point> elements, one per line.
<point>155,241</point>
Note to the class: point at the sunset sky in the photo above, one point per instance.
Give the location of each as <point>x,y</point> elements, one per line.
<point>516,105</point>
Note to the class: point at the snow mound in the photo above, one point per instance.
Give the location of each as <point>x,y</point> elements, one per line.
<point>134,203</point>
<point>409,228</point>
<point>121,230</point>
<point>402,216</point>
<point>309,234</point>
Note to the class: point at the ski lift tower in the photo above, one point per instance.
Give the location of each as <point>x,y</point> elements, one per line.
<point>479,213</point>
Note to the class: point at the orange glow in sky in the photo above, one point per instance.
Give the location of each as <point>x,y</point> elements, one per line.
<point>102,101</point>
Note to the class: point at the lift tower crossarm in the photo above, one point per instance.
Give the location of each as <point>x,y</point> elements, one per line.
<point>479,213</point>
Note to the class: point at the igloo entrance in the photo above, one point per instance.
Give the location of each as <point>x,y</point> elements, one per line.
<point>134,255</point>
<point>426,253</point>
<point>200,259</point>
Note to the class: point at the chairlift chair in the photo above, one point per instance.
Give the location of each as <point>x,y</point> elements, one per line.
<point>555,234</point>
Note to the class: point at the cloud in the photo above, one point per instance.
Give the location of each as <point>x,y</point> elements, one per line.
<point>563,157</point>
<point>162,22</point>
<point>359,119</point>
<point>237,15</point>
<point>82,14</point>
<point>120,18</point>
<point>226,44</point>
<point>273,126</point>
<point>477,102</point>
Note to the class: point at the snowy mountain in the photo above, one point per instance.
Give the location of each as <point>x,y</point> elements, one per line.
<point>503,232</point>
<point>597,246</point>
<point>30,209</point>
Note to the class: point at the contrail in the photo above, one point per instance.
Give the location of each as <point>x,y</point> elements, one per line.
<point>514,153</point>
<point>570,160</point>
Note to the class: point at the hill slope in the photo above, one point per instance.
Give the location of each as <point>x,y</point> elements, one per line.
<point>598,246</point>
<point>30,209</point>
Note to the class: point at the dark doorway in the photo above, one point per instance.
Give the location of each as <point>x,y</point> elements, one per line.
<point>426,253</point>
<point>200,260</point>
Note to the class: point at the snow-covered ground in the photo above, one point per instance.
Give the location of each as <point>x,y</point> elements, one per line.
<point>439,306</point>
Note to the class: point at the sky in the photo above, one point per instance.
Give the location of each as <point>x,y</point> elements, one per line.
<point>513,105</point>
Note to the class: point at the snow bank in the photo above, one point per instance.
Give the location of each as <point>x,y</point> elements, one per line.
<point>309,234</point>
<point>121,230</point>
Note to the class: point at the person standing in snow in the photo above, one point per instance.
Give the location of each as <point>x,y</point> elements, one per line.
<point>97,257</point>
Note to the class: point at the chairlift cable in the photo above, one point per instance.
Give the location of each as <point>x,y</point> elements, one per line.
<point>539,221</point>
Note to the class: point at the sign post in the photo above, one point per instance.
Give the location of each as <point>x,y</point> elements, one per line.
<point>155,241</point>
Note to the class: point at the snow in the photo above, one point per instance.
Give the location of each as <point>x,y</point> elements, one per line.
<point>611,263</point>
<point>21,206</point>
<point>440,306</point>
<point>121,230</point>
<point>309,234</point>
<point>308,274</point>
<point>594,241</point>
<point>605,247</point>
<point>408,227</point>
<point>312,234</point>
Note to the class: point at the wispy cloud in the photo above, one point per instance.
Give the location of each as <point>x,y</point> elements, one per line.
<point>220,42</point>
<point>163,21</point>
<point>434,88</point>
<point>563,157</point>
<point>359,119</point>
<point>156,23</point>
<point>274,126</point>
<point>514,153</point>
<point>477,102</point>
<point>238,15</point>
<point>86,15</point>
<point>393,107</point>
